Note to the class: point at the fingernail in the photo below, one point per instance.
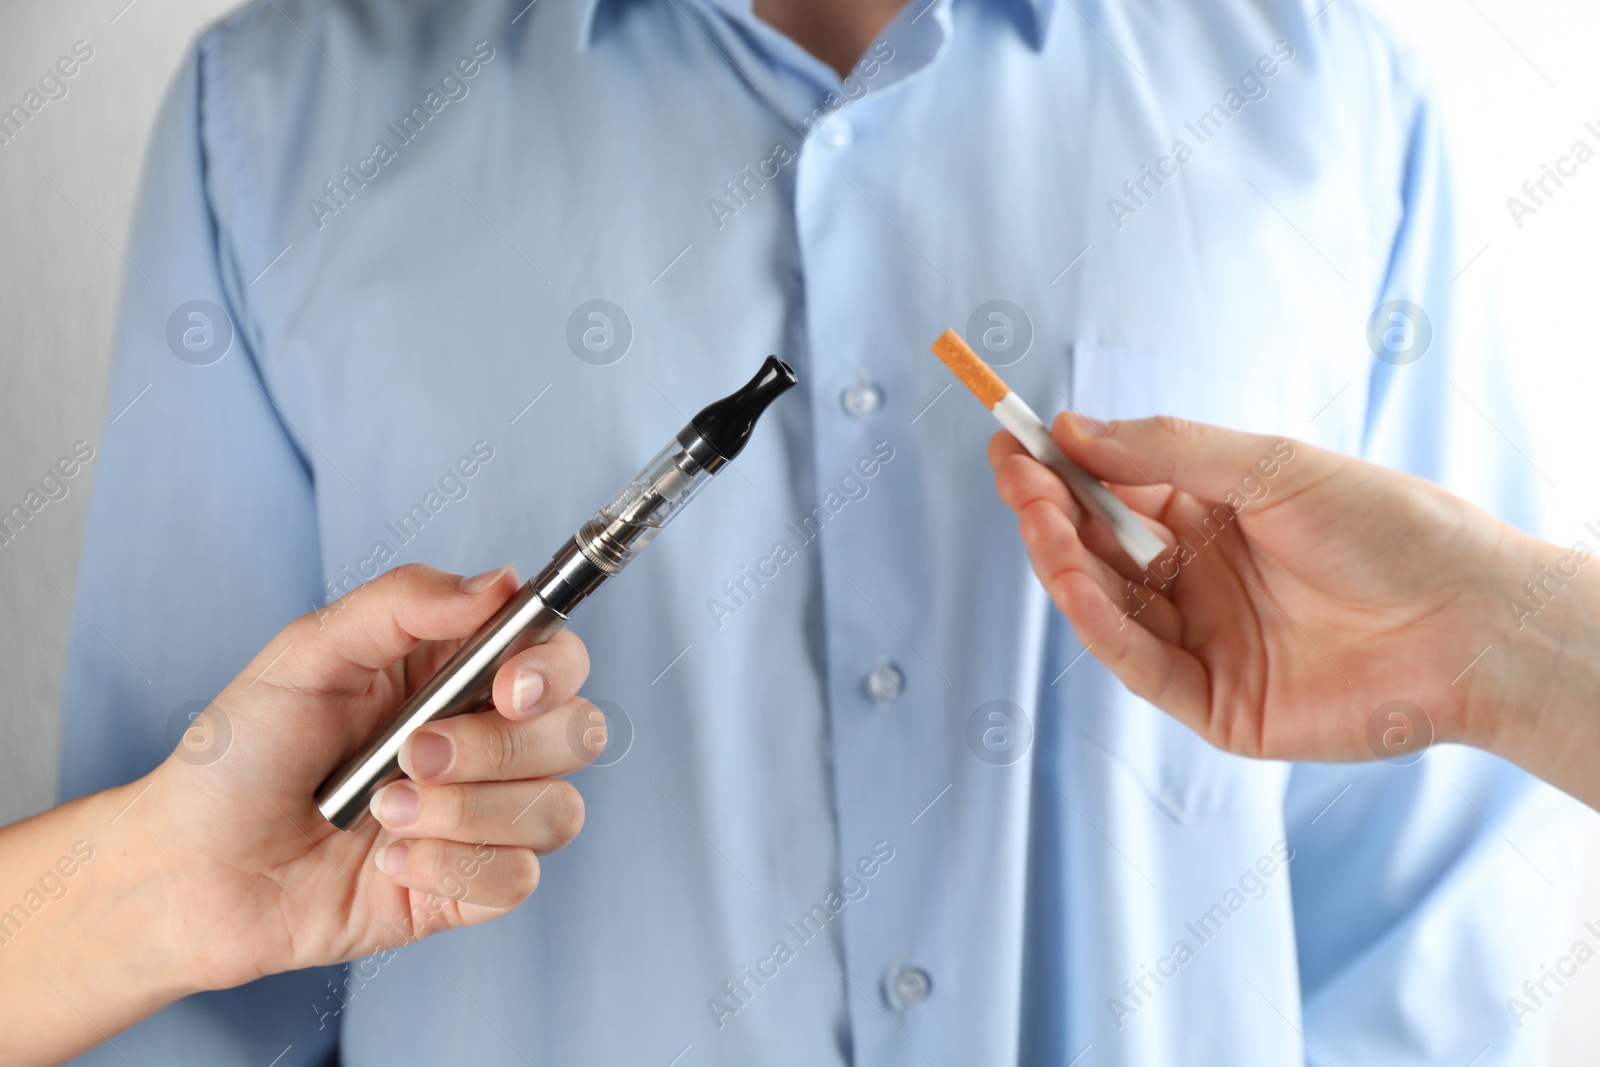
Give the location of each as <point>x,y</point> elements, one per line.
<point>526,689</point>
<point>431,754</point>
<point>392,857</point>
<point>396,805</point>
<point>479,582</point>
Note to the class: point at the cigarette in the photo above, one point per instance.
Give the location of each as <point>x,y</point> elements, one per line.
<point>1136,539</point>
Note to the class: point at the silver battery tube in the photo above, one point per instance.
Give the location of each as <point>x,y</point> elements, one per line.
<point>464,683</point>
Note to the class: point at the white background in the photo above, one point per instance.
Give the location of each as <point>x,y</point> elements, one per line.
<point>1518,82</point>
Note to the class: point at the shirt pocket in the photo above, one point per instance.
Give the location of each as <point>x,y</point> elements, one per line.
<point>1314,393</point>
<point>1180,772</point>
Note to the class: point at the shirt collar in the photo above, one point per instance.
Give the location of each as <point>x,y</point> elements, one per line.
<point>1031,17</point>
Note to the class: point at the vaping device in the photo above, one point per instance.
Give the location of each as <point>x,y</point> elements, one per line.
<point>600,549</point>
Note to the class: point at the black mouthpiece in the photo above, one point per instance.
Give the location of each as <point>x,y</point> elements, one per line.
<point>726,424</point>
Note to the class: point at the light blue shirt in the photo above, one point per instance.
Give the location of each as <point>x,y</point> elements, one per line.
<point>867,799</point>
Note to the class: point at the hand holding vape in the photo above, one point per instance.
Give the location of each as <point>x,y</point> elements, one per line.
<point>600,549</point>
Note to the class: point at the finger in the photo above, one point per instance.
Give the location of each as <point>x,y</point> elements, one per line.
<point>541,678</point>
<point>1148,499</point>
<point>383,621</point>
<point>1022,480</point>
<point>1001,447</point>
<point>541,815</point>
<point>1159,671</point>
<point>1055,549</point>
<point>1205,460</point>
<point>492,876</point>
<point>485,746</point>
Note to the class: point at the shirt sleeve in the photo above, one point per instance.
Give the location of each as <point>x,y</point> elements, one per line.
<point>1425,894</point>
<point>201,544</point>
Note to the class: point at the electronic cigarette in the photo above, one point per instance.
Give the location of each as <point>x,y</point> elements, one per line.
<point>600,549</point>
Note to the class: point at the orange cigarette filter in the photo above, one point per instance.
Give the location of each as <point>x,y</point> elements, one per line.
<point>970,368</point>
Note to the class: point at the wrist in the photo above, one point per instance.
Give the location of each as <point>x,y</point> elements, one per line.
<point>188,889</point>
<point>1477,696</point>
<point>1535,699</point>
<point>136,844</point>
<point>90,927</point>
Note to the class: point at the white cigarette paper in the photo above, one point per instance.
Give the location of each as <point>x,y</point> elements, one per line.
<point>1136,539</point>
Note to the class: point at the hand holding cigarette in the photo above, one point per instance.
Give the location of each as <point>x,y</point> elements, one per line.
<point>1307,591</point>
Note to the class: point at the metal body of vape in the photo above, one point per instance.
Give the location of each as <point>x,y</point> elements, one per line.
<point>601,548</point>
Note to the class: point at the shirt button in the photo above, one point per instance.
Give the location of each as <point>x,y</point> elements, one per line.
<point>908,987</point>
<point>837,133</point>
<point>862,399</point>
<point>884,683</point>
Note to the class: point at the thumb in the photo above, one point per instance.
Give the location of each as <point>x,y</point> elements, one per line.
<point>1203,460</point>
<point>384,620</point>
